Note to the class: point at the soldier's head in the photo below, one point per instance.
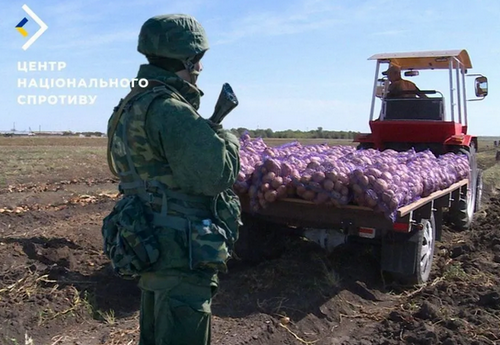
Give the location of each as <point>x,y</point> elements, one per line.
<point>393,73</point>
<point>175,42</point>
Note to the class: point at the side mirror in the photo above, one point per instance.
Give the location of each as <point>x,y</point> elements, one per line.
<point>411,73</point>
<point>481,87</point>
<point>382,86</point>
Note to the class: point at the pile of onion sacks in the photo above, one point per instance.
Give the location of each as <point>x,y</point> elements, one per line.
<point>341,175</point>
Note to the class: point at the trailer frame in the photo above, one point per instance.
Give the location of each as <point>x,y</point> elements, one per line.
<point>416,226</point>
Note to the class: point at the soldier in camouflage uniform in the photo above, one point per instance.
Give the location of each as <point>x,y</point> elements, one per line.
<point>182,167</point>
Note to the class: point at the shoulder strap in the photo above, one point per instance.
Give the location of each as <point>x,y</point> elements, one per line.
<point>117,114</point>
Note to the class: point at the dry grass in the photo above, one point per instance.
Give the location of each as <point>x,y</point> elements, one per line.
<point>24,288</point>
<point>491,169</point>
<point>52,141</point>
<point>491,179</point>
<point>123,336</point>
<point>33,286</point>
<point>22,164</point>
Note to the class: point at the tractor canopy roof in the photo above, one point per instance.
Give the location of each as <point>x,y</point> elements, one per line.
<point>438,59</point>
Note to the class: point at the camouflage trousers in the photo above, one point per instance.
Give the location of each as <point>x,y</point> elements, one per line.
<point>174,311</point>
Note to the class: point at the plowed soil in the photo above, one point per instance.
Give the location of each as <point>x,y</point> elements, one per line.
<point>56,286</point>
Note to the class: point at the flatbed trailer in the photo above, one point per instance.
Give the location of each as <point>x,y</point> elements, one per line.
<point>407,243</point>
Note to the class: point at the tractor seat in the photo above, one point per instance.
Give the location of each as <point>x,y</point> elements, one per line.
<point>427,109</point>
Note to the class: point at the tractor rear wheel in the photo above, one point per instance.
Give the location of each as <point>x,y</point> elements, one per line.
<point>462,211</point>
<point>479,191</point>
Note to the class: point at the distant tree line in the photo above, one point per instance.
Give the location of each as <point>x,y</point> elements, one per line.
<point>319,133</point>
<point>87,134</point>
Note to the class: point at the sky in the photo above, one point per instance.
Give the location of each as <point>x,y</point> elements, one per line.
<point>294,64</point>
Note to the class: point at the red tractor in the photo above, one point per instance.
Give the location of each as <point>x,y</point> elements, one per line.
<point>413,118</point>
<point>423,119</point>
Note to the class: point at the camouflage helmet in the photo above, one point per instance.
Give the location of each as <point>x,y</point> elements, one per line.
<point>174,36</point>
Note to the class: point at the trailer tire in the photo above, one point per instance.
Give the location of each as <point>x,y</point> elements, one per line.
<point>425,252</point>
<point>258,240</point>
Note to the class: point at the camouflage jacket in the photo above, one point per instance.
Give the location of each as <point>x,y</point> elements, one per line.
<point>397,87</point>
<point>171,143</point>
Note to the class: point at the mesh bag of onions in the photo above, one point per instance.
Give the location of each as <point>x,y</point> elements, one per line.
<point>393,179</point>
<point>325,180</point>
<point>251,151</point>
<point>340,175</point>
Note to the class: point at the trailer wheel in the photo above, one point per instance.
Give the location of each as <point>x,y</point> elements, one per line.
<point>462,211</point>
<point>258,240</point>
<point>409,257</point>
<point>425,252</point>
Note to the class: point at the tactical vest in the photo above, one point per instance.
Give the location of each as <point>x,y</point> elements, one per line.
<point>208,242</point>
<point>154,191</point>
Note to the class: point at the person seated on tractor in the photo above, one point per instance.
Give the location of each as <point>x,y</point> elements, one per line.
<point>399,87</point>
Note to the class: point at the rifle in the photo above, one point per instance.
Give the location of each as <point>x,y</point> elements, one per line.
<point>225,104</point>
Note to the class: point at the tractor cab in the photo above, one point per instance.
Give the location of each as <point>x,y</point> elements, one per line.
<point>429,109</point>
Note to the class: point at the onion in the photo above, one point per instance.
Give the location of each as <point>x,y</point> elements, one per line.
<point>281,191</point>
<point>338,175</point>
<point>277,182</point>
<point>328,185</point>
<point>318,176</point>
<point>269,177</point>
<point>271,195</point>
<point>309,195</point>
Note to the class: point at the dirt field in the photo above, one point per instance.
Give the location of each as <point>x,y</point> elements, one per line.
<point>56,287</point>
